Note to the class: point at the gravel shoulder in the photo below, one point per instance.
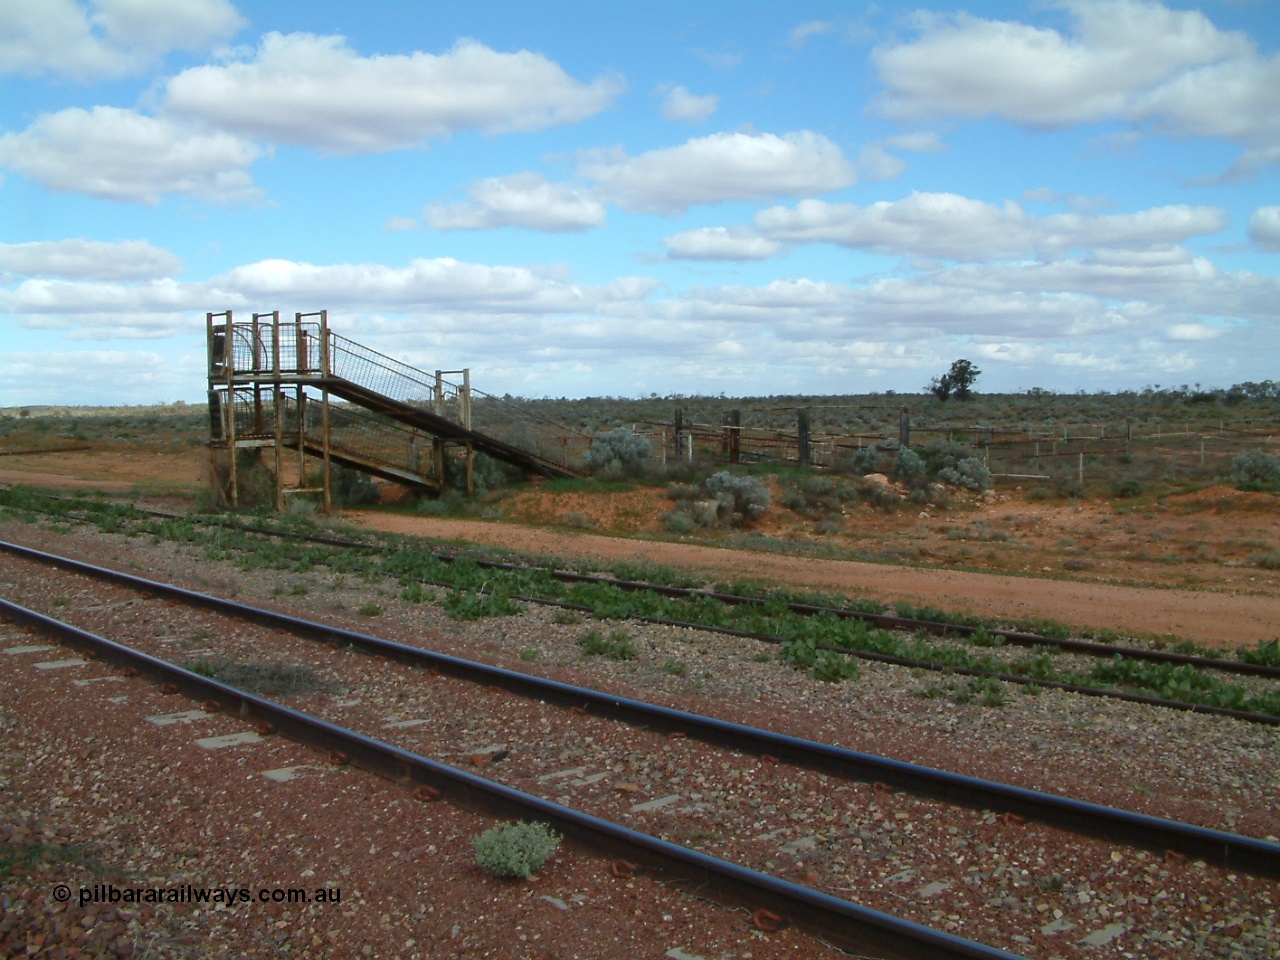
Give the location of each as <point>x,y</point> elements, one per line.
<point>1223,619</point>
<point>83,769</point>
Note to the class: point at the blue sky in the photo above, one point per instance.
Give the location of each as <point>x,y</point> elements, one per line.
<point>589,199</point>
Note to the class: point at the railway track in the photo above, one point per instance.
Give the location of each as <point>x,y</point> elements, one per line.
<point>1224,849</point>
<point>1128,660</point>
<point>885,779</point>
<point>774,901</point>
<point>1019,638</point>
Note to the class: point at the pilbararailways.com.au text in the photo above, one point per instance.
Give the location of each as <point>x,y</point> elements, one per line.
<point>186,893</point>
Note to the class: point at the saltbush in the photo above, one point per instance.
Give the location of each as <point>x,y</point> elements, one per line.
<point>1254,470</point>
<point>746,498</point>
<point>515,849</point>
<point>865,461</point>
<point>970,473</point>
<point>910,468</point>
<point>956,465</point>
<point>618,453</point>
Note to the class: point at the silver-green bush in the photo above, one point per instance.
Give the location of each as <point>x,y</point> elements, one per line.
<point>1254,470</point>
<point>909,468</point>
<point>970,473</point>
<point>746,497</point>
<point>619,453</point>
<point>515,849</point>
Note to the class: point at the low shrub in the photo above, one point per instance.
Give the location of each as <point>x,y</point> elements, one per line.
<point>956,465</point>
<point>417,593</point>
<point>678,522</point>
<point>681,492</point>
<point>818,497</point>
<point>470,605</point>
<point>515,849</point>
<point>909,468</point>
<point>1266,654</point>
<point>618,453</point>
<point>1254,470</point>
<point>746,498</point>
<point>879,495</point>
<point>352,488</point>
<point>616,646</point>
<point>1126,488</point>
<point>864,461</point>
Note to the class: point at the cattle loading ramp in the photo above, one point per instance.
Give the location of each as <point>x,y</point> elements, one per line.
<point>297,390</point>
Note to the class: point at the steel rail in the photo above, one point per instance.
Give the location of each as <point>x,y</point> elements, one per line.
<point>1184,706</point>
<point>1247,854</point>
<point>941,628</point>
<point>839,922</point>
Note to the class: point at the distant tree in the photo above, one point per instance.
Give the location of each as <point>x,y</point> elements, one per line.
<point>956,382</point>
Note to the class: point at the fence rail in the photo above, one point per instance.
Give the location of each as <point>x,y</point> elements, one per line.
<point>1083,452</point>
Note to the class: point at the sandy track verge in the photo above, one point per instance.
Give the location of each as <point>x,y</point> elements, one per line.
<point>1218,618</point>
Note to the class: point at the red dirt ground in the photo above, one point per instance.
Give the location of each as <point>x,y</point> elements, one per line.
<point>1198,565</point>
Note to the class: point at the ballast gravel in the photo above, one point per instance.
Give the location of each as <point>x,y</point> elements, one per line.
<point>92,790</point>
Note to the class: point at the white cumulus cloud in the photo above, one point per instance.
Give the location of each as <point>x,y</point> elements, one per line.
<point>1193,332</point>
<point>106,38</point>
<point>877,164</point>
<point>680,104</point>
<point>720,243</point>
<point>440,283</point>
<point>1120,49</point>
<point>802,33</point>
<point>954,227</point>
<point>80,259</point>
<point>720,167</point>
<point>1130,60</point>
<point>316,91</point>
<point>1264,228</point>
<point>520,200</point>
<point>919,141</point>
<point>123,155</point>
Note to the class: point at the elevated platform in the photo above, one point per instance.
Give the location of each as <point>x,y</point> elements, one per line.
<point>302,391</point>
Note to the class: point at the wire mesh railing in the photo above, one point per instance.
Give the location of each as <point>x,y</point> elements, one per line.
<point>255,350</point>
<point>305,351</point>
<point>479,411</point>
<point>355,434</point>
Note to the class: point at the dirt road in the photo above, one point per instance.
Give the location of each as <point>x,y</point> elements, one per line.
<point>1221,618</point>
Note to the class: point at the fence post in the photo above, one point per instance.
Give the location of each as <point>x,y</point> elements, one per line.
<point>679,428</point>
<point>904,428</point>
<point>1080,477</point>
<point>802,436</point>
<point>735,436</point>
